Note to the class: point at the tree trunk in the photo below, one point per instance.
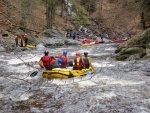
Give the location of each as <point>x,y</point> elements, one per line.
<point>62,8</point>
<point>100,11</point>
<point>50,13</point>
<point>67,12</point>
<point>143,21</point>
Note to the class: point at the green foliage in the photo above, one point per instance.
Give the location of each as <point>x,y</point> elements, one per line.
<point>89,5</point>
<point>92,6</point>
<point>66,42</point>
<point>82,16</point>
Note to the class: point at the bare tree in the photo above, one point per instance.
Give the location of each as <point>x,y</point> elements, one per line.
<point>62,4</point>
<point>50,12</point>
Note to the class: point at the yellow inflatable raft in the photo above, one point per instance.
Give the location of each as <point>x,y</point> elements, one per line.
<point>31,46</point>
<point>88,44</point>
<point>65,73</point>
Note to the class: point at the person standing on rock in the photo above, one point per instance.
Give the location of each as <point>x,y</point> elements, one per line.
<point>71,34</point>
<point>129,34</point>
<point>16,41</point>
<point>25,39</point>
<point>74,35</point>
<point>67,34</point>
<point>21,41</point>
<point>102,36</point>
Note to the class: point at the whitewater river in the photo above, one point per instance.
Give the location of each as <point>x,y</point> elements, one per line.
<point>115,87</point>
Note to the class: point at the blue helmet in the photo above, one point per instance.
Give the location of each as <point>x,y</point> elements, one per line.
<point>64,52</point>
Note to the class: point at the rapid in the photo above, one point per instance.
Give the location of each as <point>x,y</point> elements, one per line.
<point>115,87</point>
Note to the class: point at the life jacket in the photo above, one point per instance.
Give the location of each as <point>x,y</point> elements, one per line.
<point>86,61</point>
<point>16,39</point>
<point>25,38</point>
<point>65,59</point>
<point>47,61</point>
<point>78,62</point>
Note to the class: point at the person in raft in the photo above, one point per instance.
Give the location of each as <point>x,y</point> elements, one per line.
<point>87,60</point>
<point>63,60</point>
<point>55,62</point>
<point>47,62</point>
<point>78,62</point>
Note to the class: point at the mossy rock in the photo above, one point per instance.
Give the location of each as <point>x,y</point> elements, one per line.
<point>141,39</point>
<point>131,51</point>
<point>136,46</point>
<point>122,57</point>
<point>66,42</point>
<point>125,53</point>
<point>118,50</point>
<point>148,46</point>
<point>147,51</point>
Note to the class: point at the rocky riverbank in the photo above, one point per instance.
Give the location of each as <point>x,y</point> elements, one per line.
<point>135,48</point>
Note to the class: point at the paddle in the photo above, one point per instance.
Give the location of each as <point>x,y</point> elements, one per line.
<point>34,74</point>
<point>70,63</point>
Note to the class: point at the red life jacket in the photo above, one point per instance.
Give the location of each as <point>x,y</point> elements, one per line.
<point>47,61</point>
<point>25,37</point>
<point>78,62</point>
<point>64,64</point>
<point>16,39</point>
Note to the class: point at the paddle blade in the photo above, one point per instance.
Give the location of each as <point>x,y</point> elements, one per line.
<point>88,72</point>
<point>34,74</point>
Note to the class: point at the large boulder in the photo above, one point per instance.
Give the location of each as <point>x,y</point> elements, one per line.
<point>2,49</point>
<point>40,47</point>
<point>52,33</point>
<point>52,37</point>
<point>54,42</point>
<point>125,53</point>
<point>138,46</point>
<point>72,42</point>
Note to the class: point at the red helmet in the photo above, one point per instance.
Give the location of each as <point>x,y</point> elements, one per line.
<point>77,54</point>
<point>57,56</point>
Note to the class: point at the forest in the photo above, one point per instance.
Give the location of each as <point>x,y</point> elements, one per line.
<point>112,15</point>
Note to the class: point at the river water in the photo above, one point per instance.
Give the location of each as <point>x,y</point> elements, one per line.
<point>115,87</point>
